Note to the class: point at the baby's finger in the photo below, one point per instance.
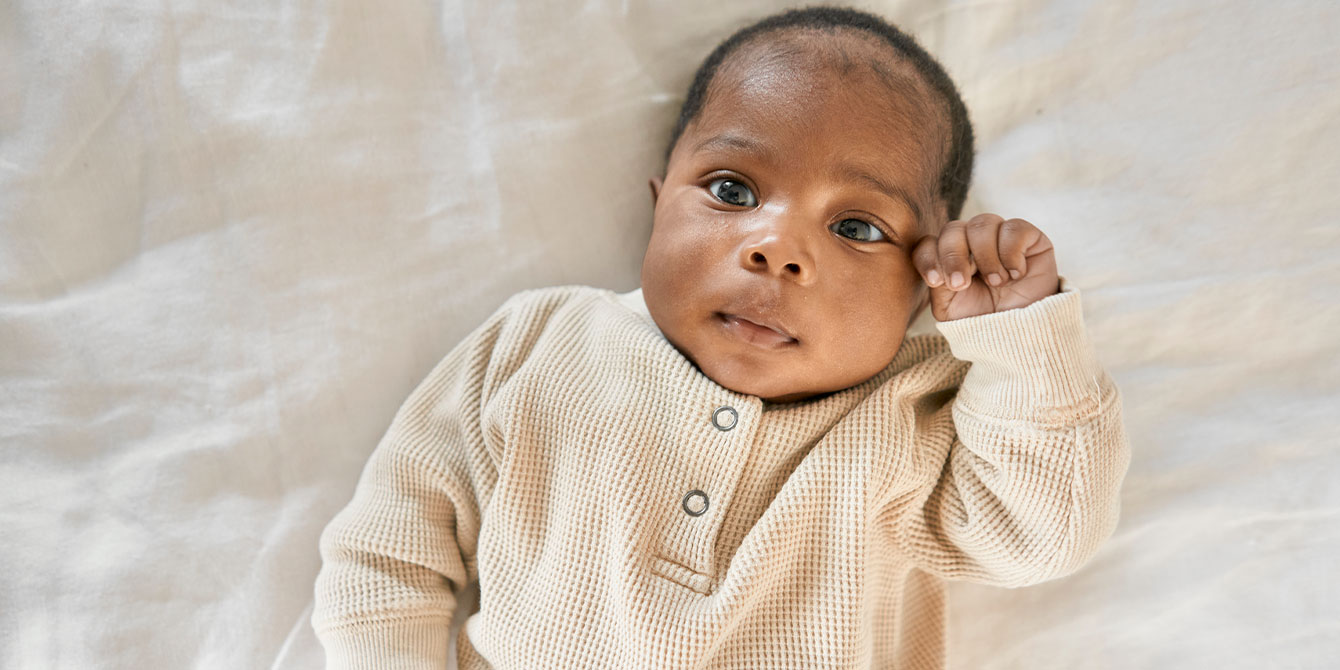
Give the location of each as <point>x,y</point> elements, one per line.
<point>1016,236</point>
<point>925,258</point>
<point>955,259</point>
<point>982,231</point>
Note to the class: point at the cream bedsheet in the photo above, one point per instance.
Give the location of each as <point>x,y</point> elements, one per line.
<point>234,235</point>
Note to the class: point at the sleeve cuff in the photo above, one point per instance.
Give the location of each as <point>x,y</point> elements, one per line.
<point>1033,363</point>
<point>420,644</point>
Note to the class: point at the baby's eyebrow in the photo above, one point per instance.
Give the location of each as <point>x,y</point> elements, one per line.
<point>892,191</point>
<point>735,141</point>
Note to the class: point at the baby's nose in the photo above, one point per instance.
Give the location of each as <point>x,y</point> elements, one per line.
<point>780,251</point>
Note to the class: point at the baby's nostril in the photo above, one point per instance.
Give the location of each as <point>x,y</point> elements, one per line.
<point>795,269</point>
<point>758,258</point>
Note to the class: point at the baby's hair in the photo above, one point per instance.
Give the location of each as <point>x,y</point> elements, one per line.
<point>957,170</point>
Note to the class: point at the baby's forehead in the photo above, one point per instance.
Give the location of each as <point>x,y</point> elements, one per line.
<point>782,67</point>
<point>845,57</point>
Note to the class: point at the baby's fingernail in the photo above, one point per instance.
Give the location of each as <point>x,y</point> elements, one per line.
<point>956,280</point>
<point>994,279</point>
<point>933,278</point>
<point>1016,274</point>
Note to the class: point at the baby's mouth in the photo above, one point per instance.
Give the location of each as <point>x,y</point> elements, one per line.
<point>753,332</point>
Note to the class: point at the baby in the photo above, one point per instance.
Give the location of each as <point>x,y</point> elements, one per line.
<point>750,462</point>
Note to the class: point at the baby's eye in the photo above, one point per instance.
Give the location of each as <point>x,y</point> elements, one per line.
<point>732,192</point>
<point>856,229</point>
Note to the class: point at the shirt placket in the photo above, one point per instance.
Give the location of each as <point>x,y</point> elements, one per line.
<point>721,430</point>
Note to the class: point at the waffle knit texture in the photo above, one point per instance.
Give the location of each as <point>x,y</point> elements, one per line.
<point>549,456</point>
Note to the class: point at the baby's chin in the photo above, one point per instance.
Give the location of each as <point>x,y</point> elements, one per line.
<point>774,393</point>
<point>771,386</point>
<point>786,379</point>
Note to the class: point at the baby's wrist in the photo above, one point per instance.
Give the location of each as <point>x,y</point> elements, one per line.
<point>1028,362</point>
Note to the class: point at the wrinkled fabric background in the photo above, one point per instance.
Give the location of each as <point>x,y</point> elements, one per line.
<point>235,235</point>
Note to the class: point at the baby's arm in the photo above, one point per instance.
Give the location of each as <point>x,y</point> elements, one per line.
<point>1031,487</point>
<point>395,557</point>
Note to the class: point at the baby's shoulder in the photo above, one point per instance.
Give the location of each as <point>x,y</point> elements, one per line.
<point>565,315</point>
<point>555,295</point>
<point>923,365</point>
<point>538,305</point>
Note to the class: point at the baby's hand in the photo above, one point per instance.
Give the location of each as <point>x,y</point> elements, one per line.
<point>985,265</point>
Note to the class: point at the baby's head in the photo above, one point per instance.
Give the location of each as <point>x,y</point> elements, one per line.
<point>814,149</point>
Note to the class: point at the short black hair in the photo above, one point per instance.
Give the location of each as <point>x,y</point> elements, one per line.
<point>955,175</point>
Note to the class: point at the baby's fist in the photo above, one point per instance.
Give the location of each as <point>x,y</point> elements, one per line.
<point>986,264</point>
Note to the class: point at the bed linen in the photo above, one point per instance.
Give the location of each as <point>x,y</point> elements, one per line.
<point>235,235</point>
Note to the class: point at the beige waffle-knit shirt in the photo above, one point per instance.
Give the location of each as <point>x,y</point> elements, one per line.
<point>554,455</point>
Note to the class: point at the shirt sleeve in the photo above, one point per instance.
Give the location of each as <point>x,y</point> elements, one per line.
<point>1031,485</point>
<point>397,555</point>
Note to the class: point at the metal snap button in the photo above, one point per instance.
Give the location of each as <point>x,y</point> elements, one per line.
<point>725,417</point>
<point>695,503</point>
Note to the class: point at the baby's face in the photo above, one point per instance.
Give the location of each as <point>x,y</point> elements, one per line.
<point>780,255</point>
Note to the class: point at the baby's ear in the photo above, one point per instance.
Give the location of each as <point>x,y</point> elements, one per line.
<point>655,184</point>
